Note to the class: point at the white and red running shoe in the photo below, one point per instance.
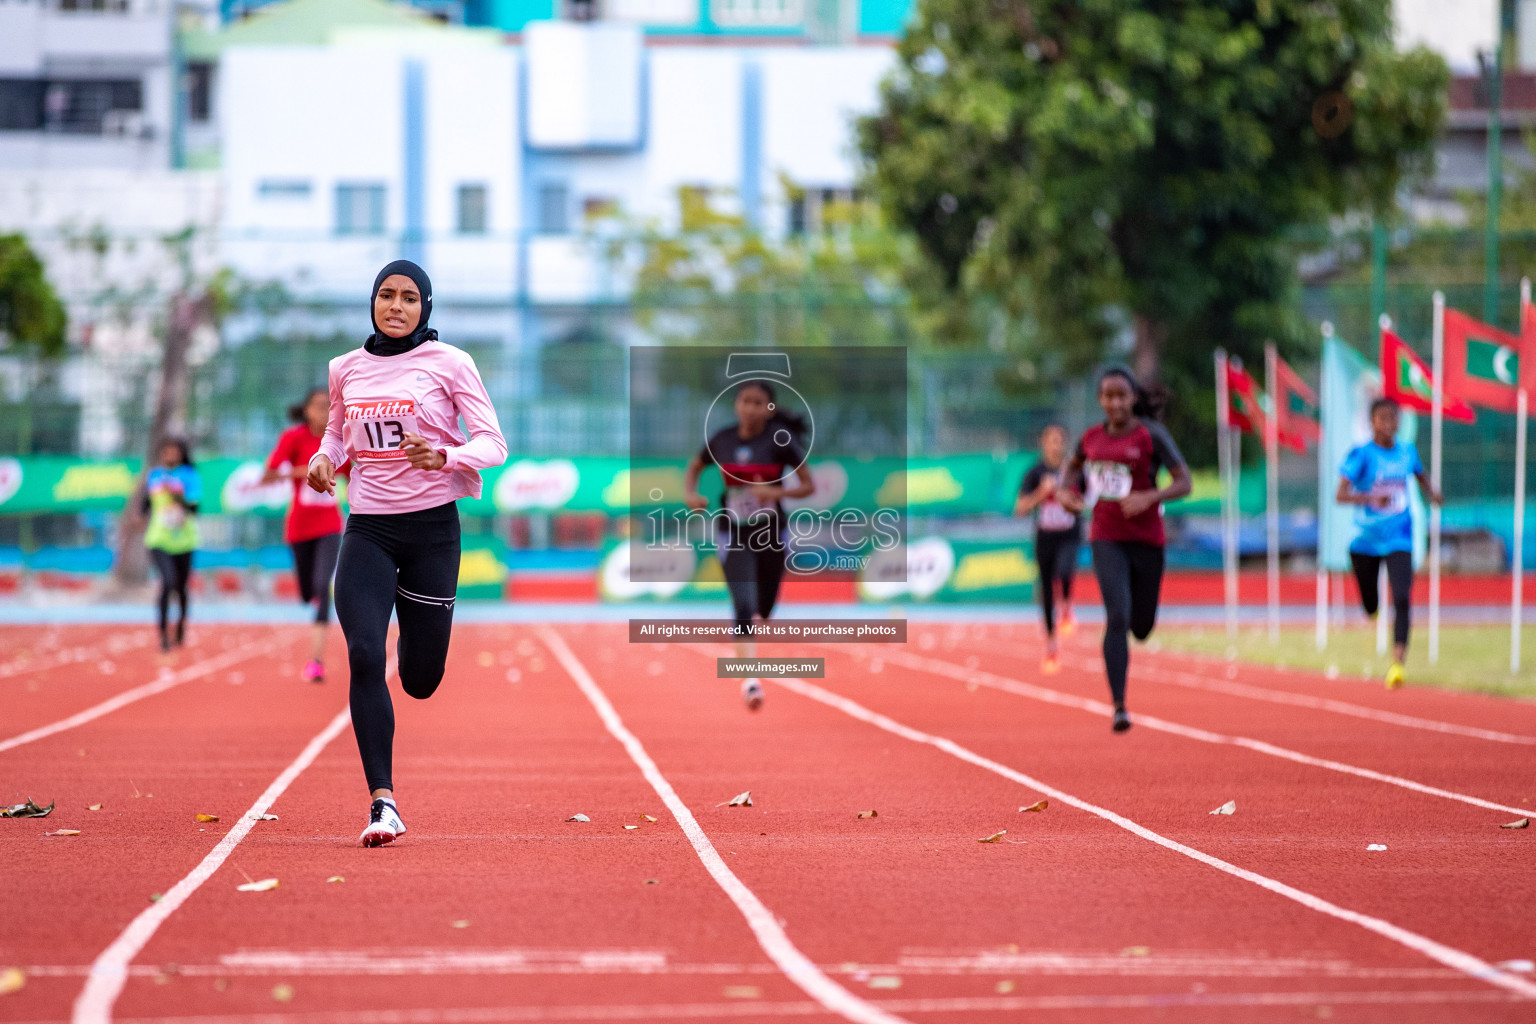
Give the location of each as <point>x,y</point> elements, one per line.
<point>384,823</point>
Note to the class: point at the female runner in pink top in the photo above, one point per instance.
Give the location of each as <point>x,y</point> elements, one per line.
<point>395,408</point>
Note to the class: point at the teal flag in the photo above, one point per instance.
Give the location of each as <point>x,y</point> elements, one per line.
<point>1350,384</point>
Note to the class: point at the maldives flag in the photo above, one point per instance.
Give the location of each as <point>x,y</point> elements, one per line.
<point>1482,363</point>
<point>1296,415</point>
<point>1245,410</point>
<point>1405,378</point>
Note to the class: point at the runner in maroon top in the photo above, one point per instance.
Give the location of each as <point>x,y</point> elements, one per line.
<point>312,527</point>
<point>1114,471</point>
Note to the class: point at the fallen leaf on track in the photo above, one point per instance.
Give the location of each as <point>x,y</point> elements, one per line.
<point>12,979</point>
<point>994,837</point>
<point>653,881</point>
<point>1230,807</point>
<point>335,878</point>
<point>458,924</point>
<point>26,810</point>
<point>578,817</point>
<point>63,832</point>
<point>629,828</point>
<point>261,886</point>
<point>259,817</point>
<point>1038,805</point>
<point>739,800</point>
<point>1522,823</point>
<point>207,817</point>
<point>94,807</point>
<point>742,992</point>
<point>282,993</point>
<point>1004,987</point>
<point>647,817</point>
<point>1376,846</point>
<point>156,897</point>
<point>869,814</point>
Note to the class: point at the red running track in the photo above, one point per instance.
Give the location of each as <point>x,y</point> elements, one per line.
<point>1124,900</point>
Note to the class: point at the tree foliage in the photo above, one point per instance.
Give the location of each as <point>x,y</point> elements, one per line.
<point>31,315</point>
<point>1130,170</point>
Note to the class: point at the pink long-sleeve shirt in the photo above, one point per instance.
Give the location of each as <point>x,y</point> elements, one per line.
<point>377,400</point>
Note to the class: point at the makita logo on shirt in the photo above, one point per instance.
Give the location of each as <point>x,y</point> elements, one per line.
<point>382,409</point>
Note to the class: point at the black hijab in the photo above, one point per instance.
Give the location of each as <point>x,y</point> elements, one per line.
<point>381,344</point>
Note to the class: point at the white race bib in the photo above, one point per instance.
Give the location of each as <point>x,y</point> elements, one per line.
<point>1389,497</point>
<point>1109,481</point>
<point>378,427</point>
<point>741,502</point>
<point>1055,518</point>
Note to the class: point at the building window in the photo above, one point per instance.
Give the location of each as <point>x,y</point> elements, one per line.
<point>807,210</point>
<point>554,208</point>
<point>359,209</point>
<point>472,208</point>
<point>757,13</point>
<point>199,92</point>
<point>284,188</point>
<point>21,104</point>
<point>110,6</point>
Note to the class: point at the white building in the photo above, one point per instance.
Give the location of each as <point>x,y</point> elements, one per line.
<point>487,161</point>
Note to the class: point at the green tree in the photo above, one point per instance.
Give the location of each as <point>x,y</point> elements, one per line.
<point>31,315</point>
<point>1130,170</point>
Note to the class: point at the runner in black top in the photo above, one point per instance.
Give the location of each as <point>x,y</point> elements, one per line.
<point>1057,535</point>
<point>754,456</point>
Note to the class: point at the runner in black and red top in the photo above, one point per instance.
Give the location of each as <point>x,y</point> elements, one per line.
<point>1119,460</point>
<point>1058,533</point>
<point>312,527</point>
<point>755,456</point>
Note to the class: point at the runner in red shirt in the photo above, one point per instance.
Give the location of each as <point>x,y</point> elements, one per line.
<point>1119,461</point>
<point>313,524</point>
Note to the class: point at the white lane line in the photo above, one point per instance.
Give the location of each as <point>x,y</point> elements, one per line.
<point>138,693</point>
<point>797,967</point>
<point>1195,681</point>
<point>939,667</point>
<point>109,971</point>
<point>758,1008</point>
<point>1454,958</point>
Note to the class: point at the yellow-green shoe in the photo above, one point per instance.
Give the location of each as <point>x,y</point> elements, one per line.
<point>1395,676</point>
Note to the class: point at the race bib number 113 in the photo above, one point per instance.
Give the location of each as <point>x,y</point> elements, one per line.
<point>379,427</point>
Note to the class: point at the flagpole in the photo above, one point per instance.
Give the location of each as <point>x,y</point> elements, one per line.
<point>1272,486</point>
<point>1224,464</point>
<point>1322,495</point>
<point>1436,418</point>
<point>1519,553</point>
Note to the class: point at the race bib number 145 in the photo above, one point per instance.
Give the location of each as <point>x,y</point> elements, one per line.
<point>379,427</point>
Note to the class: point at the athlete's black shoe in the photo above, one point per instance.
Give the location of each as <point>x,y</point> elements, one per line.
<point>1122,720</point>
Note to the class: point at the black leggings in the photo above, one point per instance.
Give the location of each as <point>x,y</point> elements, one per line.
<point>753,577</point>
<point>408,562</point>
<point>175,571</point>
<point>1056,554</point>
<point>1399,578</point>
<point>1130,579</point>
<point>314,563</point>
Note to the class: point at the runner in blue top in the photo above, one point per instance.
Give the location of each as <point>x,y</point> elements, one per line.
<point>1374,478</point>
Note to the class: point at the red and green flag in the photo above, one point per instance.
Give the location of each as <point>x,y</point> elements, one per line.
<point>1405,378</point>
<point>1482,363</point>
<point>1245,409</point>
<point>1297,423</point>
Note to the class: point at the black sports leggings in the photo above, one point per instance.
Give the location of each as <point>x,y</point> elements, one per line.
<point>1399,578</point>
<point>753,577</point>
<point>175,571</point>
<point>1056,554</point>
<point>314,563</point>
<point>1130,579</point>
<point>408,562</point>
